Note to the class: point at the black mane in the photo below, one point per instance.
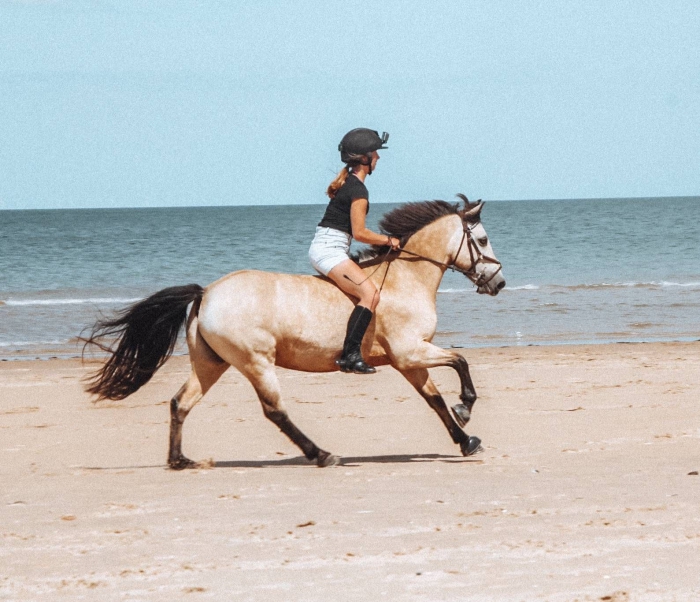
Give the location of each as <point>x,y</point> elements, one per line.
<point>404,221</point>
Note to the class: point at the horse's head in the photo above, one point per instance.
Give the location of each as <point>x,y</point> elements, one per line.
<point>474,256</point>
<point>461,244</point>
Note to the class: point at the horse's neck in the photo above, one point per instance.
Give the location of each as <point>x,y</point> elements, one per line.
<point>429,242</point>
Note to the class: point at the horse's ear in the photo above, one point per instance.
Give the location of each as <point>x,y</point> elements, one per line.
<point>472,210</point>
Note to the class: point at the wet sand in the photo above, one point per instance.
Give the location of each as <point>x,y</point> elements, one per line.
<point>587,488</point>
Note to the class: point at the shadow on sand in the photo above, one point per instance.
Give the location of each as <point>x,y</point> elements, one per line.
<point>302,461</point>
<point>348,461</point>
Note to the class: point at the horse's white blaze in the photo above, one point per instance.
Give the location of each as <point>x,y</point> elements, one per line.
<point>489,271</point>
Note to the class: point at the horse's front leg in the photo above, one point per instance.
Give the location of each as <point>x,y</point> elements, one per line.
<point>463,411</point>
<point>428,355</point>
<point>468,394</point>
<point>421,381</point>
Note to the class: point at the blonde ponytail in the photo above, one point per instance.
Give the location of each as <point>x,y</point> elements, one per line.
<point>336,184</point>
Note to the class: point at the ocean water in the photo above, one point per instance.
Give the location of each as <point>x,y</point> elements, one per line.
<point>577,271</point>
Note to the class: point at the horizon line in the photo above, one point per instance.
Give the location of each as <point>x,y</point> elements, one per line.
<point>562,199</point>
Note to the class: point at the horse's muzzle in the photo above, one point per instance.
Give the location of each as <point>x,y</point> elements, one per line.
<point>493,287</point>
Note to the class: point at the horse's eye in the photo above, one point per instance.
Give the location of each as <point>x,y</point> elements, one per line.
<point>483,241</point>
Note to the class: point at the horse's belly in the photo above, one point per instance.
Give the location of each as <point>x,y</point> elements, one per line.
<point>307,358</point>
<point>299,355</point>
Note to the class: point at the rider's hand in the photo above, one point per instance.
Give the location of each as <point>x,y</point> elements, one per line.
<point>394,243</point>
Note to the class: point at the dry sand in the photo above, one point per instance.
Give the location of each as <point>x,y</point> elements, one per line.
<point>587,488</point>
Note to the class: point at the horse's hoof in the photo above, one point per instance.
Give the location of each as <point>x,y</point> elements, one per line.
<point>181,462</point>
<point>462,414</point>
<point>325,458</point>
<point>471,446</point>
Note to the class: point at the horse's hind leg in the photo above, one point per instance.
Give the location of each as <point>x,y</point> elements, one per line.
<point>422,382</point>
<point>207,368</point>
<point>264,380</point>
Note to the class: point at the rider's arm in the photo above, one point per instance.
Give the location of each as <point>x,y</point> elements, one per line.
<point>361,233</point>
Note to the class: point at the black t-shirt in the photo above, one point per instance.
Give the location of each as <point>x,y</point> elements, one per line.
<point>338,211</point>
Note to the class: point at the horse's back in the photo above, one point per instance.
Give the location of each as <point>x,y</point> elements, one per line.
<point>268,297</point>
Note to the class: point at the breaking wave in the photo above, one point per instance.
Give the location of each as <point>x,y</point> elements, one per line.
<point>650,285</point>
<point>524,287</point>
<point>34,343</point>
<point>93,300</point>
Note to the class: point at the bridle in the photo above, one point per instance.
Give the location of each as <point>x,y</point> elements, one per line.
<point>475,255</point>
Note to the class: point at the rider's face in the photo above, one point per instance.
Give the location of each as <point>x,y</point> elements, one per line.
<point>375,158</point>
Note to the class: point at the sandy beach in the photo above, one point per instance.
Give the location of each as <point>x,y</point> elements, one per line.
<point>587,489</point>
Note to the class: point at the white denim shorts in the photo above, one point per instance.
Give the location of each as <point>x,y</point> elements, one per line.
<point>328,248</point>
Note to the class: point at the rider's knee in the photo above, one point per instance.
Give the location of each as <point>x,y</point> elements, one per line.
<point>370,297</point>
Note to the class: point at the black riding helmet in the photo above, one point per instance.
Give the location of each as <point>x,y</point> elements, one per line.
<point>358,145</point>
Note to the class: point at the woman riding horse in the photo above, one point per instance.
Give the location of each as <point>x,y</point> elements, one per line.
<point>344,220</point>
<point>257,321</point>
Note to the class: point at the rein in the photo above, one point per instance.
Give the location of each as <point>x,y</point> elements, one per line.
<point>475,255</point>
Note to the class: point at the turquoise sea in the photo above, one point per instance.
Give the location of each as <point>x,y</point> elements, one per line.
<point>577,271</point>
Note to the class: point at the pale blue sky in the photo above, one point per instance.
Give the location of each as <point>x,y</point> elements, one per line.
<point>145,103</point>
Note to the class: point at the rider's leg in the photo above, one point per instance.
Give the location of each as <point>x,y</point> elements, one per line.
<point>352,280</point>
<point>351,360</point>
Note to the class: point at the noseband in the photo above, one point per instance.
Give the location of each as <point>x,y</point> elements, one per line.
<point>475,255</point>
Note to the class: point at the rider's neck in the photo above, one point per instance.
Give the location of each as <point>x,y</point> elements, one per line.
<point>360,172</point>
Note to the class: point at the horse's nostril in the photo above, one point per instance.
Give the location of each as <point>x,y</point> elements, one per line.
<point>500,285</point>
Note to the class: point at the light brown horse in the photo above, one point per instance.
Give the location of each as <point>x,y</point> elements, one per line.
<point>255,321</point>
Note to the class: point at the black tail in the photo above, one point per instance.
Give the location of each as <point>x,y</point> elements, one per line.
<point>145,334</point>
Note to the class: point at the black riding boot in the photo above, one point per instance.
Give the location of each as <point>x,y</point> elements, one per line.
<point>351,360</point>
